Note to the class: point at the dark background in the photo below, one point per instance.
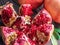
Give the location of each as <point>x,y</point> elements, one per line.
<point>16,7</point>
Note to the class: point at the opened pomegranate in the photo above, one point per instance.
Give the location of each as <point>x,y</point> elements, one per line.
<point>38,28</point>
<point>8,35</point>
<point>8,14</point>
<point>36,31</point>
<point>35,3</point>
<point>23,40</point>
<point>54,9</point>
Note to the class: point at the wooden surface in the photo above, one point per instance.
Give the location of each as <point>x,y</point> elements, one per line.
<point>16,7</point>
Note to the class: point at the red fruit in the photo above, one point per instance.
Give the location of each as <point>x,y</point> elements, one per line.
<point>8,14</point>
<point>26,9</point>
<point>42,17</point>
<point>23,40</point>
<point>54,9</point>
<point>8,35</point>
<point>35,3</point>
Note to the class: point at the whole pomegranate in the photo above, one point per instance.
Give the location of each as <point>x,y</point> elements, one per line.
<point>35,3</point>
<point>54,9</point>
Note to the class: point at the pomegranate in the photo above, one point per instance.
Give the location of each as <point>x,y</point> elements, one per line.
<point>27,31</point>
<point>54,9</point>
<point>8,35</point>
<point>35,3</point>
<point>26,9</point>
<point>23,40</point>
<point>8,14</point>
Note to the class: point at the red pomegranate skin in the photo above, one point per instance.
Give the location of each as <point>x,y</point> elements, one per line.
<point>35,3</point>
<point>23,40</point>
<point>26,9</point>
<point>8,14</point>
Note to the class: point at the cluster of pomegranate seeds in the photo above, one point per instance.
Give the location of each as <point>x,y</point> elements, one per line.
<point>26,9</point>
<point>27,31</point>
<point>8,14</point>
<point>42,18</point>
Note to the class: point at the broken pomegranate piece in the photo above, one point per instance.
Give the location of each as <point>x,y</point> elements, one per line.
<point>23,40</point>
<point>26,9</point>
<point>41,28</point>
<point>44,33</point>
<point>8,35</point>
<point>8,14</point>
<point>42,17</point>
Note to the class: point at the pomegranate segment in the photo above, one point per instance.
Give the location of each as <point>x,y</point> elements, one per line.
<point>8,14</point>
<point>23,40</point>
<point>8,35</point>
<point>44,33</point>
<point>26,9</point>
<point>42,17</point>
